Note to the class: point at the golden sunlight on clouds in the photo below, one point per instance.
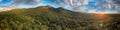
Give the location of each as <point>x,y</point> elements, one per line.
<point>92,11</point>
<point>5,9</point>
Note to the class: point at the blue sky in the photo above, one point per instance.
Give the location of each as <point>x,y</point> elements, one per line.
<point>79,5</point>
<point>2,2</point>
<point>54,3</point>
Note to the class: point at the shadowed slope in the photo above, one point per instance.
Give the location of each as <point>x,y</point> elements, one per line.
<point>49,18</point>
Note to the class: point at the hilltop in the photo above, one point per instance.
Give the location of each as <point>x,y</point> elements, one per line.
<point>50,18</point>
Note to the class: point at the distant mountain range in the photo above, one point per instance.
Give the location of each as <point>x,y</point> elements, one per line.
<point>50,18</point>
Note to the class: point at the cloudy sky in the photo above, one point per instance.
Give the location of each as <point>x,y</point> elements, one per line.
<point>87,6</point>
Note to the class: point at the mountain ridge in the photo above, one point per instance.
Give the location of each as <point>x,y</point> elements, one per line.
<point>50,18</point>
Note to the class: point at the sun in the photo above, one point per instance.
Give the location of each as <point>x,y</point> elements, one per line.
<point>102,15</point>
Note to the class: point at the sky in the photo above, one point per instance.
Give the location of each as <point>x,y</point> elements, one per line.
<point>86,6</point>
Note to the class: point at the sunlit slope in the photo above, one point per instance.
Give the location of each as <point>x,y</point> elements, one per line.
<point>43,18</point>
<point>48,18</point>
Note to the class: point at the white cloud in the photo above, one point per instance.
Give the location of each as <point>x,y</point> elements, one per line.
<point>18,3</point>
<point>77,5</point>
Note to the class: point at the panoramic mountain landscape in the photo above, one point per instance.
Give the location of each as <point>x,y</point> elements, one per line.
<point>50,18</point>
<point>59,14</point>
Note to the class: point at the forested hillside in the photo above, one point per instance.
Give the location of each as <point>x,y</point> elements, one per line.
<point>49,18</point>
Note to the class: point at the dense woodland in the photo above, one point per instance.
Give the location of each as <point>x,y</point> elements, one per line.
<point>49,18</point>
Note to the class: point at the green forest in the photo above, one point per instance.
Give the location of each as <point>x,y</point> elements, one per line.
<point>49,18</point>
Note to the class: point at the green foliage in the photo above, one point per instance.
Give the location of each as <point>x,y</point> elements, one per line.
<point>42,18</point>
